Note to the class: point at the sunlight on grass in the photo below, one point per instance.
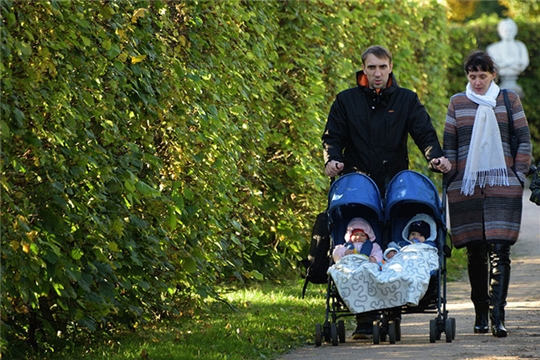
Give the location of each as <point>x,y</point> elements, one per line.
<point>256,323</point>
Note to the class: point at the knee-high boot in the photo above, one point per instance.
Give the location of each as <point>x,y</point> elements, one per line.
<point>498,290</point>
<point>477,266</point>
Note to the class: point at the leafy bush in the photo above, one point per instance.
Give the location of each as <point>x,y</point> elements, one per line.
<point>157,148</point>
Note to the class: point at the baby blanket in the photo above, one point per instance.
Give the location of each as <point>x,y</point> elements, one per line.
<point>403,280</point>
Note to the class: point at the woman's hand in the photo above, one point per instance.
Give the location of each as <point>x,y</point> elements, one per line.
<point>442,164</point>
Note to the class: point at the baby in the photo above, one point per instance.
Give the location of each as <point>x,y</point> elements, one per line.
<point>420,229</point>
<point>356,236</point>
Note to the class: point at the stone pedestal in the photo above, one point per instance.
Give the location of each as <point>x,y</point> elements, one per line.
<point>510,82</point>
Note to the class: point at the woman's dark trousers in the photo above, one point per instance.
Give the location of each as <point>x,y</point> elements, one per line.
<point>489,276</point>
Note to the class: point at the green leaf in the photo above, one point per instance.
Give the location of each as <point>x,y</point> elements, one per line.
<point>189,265</point>
<point>114,51</point>
<point>23,49</point>
<point>19,117</point>
<point>86,41</point>
<point>107,44</point>
<point>113,246</point>
<point>119,65</point>
<point>76,254</point>
<point>146,189</point>
<point>85,281</point>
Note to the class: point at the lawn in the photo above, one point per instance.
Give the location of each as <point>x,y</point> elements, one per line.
<point>258,322</point>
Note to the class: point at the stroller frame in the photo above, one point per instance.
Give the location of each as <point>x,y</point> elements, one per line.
<point>346,199</point>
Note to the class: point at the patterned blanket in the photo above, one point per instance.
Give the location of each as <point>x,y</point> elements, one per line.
<point>403,280</point>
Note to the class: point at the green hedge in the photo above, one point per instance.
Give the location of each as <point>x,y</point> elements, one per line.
<point>154,149</point>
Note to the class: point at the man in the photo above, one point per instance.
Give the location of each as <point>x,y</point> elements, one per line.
<point>367,131</point>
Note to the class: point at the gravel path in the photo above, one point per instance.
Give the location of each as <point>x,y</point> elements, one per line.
<point>522,317</point>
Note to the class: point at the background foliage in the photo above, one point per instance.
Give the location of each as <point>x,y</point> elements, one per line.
<point>154,149</point>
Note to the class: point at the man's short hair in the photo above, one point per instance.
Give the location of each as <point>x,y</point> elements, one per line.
<point>379,51</point>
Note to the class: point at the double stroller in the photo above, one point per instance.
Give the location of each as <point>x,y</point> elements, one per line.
<point>409,193</point>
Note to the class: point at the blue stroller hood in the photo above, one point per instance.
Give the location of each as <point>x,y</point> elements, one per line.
<point>355,188</point>
<point>410,193</point>
<point>409,187</point>
<point>354,195</point>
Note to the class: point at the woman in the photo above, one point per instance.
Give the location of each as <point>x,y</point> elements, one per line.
<point>484,190</point>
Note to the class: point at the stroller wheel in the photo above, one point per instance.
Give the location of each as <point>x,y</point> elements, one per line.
<point>439,331</point>
<point>397,321</point>
<point>341,331</point>
<point>334,333</point>
<point>326,331</point>
<point>376,332</point>
<point>392,332</point>
<point>318,335</point>
<point>432,330</point>
<point>449,330</point>
<point>384,332</point>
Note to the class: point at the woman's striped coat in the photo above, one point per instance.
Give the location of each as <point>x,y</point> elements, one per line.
<point>493,212</point>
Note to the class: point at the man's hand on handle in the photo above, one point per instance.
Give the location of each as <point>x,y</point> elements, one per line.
<point>333,168</point>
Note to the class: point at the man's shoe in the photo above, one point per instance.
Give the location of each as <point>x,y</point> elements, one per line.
<point>498,329</point>
<point>363,331</point>
<point>481,325</point>
<point>361,336</point>
<point>481,329</point>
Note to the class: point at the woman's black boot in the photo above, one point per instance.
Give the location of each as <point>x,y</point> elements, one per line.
<point>481,322</point>
<point>497,322</point>
<point>500,279</point>
<point>477,266</point>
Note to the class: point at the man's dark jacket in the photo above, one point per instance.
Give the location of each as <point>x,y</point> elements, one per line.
<point>367,130</point>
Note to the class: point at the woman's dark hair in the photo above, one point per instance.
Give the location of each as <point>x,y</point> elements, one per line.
<point>479,60</point>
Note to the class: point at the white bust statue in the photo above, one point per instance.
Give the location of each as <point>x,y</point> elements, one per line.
<point>510,55</point>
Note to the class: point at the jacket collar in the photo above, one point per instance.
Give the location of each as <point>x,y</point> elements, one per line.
<point>381,97</point>
<point>362,82</point>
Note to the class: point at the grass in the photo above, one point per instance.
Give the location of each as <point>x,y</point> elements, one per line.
<point>261,322</point>
<point>457,265</point>
<point>256,323</point>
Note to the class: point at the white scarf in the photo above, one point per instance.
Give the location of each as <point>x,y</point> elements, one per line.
<point>485,162</point>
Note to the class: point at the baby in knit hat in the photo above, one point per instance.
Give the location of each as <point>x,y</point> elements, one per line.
<point>420,229</point>
<point>359,239</point>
